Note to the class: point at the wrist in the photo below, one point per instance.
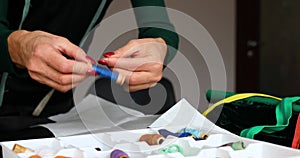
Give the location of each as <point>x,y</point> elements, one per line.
<point>16,36</point>
<point>14,43</point>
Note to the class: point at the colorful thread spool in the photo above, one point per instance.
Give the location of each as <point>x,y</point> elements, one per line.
<point>35,156</point>
<point>204,136</point>
<point>165,133</point>
<point>17,148</point>
<point>152,139</point>
<point>194,132</point>
<point>106,73</point>
<point>117,153</point>
<point>172,149</point>
<point>238,145</point>
<point>185,132</point>
<point>38,156</point>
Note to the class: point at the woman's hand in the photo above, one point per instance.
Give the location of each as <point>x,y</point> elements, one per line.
<point>141,61</point>
<point>48,58</point>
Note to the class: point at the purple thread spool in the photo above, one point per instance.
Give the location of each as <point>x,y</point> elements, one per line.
<point>118,154</point>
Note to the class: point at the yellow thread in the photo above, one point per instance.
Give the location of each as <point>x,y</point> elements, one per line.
<point>235,98</point>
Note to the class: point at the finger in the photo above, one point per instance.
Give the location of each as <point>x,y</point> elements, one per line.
<point>127,50</point>
<point>118,56</point>
<point>45,80</point>
<point>68,48</point>
<point>82,68</point>
<point>133,64</point>
<point>139,87</point>
<point>137,78</point>
<point>60,63</point>
<point>136,45</point>
<point>52,57</point>
<point>58,77</point>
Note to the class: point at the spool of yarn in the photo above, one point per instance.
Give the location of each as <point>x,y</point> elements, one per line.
<point>165,133</point>
<point>204,136</point>
<point>152,139</point>
<point>193,132</point>
<point>238,145</point>
<point>172,149</point>
<point>17,148</point>
<point>35,156</point>
<point>185,132</point>
<point>117,153</point>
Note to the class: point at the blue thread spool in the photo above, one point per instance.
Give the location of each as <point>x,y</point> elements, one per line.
<point>118,154</point>
<point>165,133</point>
<point>106,73</point>
<point>196,133</point>
<point>186,134</point>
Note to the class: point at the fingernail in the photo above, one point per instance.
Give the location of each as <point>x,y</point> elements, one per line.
<point>108,54</point>
<point>90,59</point>
<point>102,62</point>
<point>91,72</point>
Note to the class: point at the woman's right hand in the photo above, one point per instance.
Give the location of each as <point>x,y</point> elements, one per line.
<point>49,59</point>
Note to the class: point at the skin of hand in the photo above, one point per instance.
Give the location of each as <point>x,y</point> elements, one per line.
<point>140,60</point>
<point>48,58</point>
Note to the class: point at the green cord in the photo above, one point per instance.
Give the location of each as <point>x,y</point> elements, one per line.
<point>25,13</point>
<point>283,114</point>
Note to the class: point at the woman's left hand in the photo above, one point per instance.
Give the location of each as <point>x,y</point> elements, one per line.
<point>140,60</point>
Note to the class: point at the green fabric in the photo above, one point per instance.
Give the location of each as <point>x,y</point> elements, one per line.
<point>283,115</point>
<point>283,110</point>
<point>6,64</point>
<point>153,22</point>
<point>4,48</point>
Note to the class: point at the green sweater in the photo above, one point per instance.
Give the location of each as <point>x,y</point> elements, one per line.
<point>152,23</point>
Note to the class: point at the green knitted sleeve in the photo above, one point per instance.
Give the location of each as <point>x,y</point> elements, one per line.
<point>153,22</point>
<point>6,64</point>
